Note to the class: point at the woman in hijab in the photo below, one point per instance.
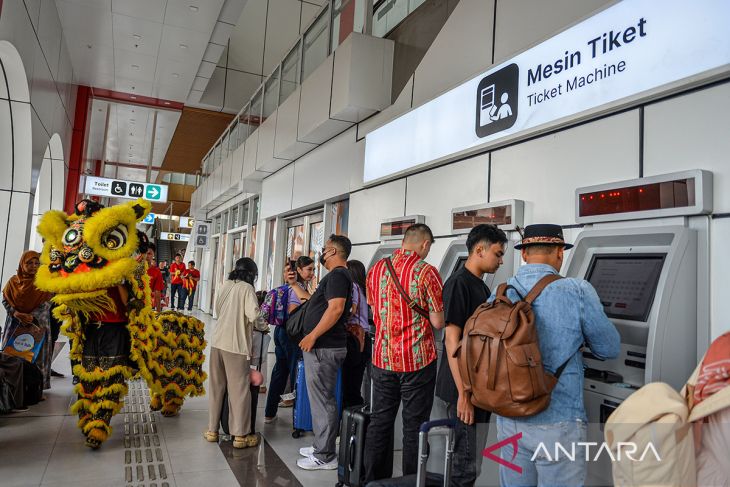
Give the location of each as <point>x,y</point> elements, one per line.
<point>237,308</point>
<point>27,305</point>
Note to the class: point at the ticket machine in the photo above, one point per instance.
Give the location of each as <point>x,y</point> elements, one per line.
<point>391,235</point>
<point>507,215</point>
<point>651,272</point>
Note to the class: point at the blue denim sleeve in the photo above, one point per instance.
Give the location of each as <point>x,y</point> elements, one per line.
<point>602,336</point>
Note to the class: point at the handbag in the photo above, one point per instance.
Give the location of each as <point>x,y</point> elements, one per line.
<point>26,340</point>
<point>409,301</point>
<point>295,323</point>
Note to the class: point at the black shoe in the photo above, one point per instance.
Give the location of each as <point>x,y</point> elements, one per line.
<point>56,374</point>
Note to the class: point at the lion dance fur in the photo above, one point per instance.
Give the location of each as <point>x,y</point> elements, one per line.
<point>90,261</point>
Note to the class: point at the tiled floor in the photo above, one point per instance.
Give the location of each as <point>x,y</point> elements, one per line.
<point>43,447</point>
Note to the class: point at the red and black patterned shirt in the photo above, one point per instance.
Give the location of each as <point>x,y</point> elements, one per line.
<point>404,339</point>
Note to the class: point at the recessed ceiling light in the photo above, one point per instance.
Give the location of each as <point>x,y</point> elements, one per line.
<point>133,97</point>
<point>135,67</point>
<point>137,36</point>
<point>193,8</point>
<point>167,103</point>
<point>175,75</point>
<point>183,46</point>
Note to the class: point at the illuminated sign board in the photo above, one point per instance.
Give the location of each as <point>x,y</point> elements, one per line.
<point>632,50</point>
<point>117,188</point>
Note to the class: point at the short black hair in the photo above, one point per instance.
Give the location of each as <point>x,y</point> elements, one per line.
<point>192,262</point>
<point>418,232</point>
<point>178,255</point>
<point>303,261</point>
<point>342,243</point>
<point>485,233</point>
<point>152,246</point>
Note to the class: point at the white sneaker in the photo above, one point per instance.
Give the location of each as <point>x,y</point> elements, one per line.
<point>306,451</point>
<point>289,397</point>
<point>313,463</point>
<point>269,420</point>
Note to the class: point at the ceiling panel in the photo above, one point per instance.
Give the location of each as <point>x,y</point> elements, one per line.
<point>231,11</point>
<point>246,48</point>
<point>213,53</point>
<point>198,15</point>
<point>196,132</point>
<point>134,66</point>
<point>182,44</point>
<point>137,35</point>
<point>282,31</point>
<point>153,10</point>
<point>127,85</point>
<point>240,87</point>
<point>215,90</point>
<point>86,23</point>
<point>221,33</point>
<point>206,69</point>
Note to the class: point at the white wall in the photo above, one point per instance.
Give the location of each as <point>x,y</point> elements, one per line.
<point>44,69</point>
<point>683,132</point>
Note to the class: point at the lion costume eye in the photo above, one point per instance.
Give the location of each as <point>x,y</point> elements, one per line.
<point>115,238</point>
<point>72,237</point>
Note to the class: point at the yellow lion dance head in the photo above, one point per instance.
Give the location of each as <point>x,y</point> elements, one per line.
<point>89,251</point>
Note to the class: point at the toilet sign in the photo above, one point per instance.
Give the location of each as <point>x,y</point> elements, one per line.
<point>176,237</point>
<point>202,234</point>
<point>116,188</point>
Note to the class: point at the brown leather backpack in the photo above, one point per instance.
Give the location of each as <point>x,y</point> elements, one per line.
<point>499,358</point>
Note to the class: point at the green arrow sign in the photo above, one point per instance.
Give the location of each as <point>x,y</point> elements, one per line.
<point>153,192</point>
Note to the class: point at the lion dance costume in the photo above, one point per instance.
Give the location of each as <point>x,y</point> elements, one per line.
<point>91,262</point>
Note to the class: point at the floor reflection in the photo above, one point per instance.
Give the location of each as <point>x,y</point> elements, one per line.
<point>260,466</point>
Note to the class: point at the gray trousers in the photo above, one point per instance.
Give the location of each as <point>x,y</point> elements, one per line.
<point>320,370</point>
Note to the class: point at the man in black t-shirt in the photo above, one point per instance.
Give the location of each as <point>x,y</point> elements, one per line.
<point>464,291</point>
<point>324,349</point>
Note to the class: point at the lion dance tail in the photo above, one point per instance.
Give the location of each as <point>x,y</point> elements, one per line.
<point>177,364</point>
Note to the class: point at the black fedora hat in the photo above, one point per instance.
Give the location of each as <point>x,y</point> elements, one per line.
<point>543,234</point>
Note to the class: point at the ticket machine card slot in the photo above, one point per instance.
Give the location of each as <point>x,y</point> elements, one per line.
<point>636,364</point>
<point>606,410</point>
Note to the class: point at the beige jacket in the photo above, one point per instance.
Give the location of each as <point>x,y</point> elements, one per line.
<point>238,313</point>
<point>656,413</point>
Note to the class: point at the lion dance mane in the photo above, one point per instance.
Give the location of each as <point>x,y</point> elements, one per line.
<point>91,262</point>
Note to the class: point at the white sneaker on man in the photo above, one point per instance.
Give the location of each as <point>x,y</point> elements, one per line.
<point>313,463</point>
<point>306,451</point>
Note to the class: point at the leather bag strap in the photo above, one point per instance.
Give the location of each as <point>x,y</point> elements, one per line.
<point>540,285</point>
<point>410,302</point>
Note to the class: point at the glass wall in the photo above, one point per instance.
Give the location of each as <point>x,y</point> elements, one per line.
<point>316,44</point>
<point>290,73</point>
<point>271,95</point>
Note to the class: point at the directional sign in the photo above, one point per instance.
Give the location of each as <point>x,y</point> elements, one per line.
<point>149,219</point>
<point>178,237</point>
<point>202,234</point>
<point>125,189</point>
<point>187,222</point>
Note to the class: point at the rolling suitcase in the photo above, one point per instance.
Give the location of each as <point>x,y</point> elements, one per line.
<point>439,427</point>
<point>351,454</point>
<point>302,410</point>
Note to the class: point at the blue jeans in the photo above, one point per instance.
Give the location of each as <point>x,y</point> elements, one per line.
<point>179,290</point>
<point>469,441</point>
<point>287,355</point>
<point>189,296</point>
<point>551,467</point>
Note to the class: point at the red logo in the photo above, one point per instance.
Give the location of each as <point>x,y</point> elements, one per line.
<point>512,440</point>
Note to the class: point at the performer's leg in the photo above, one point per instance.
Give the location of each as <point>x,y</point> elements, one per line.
<point>102,374</point>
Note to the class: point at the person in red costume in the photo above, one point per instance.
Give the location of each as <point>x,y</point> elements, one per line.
<point>157,282</point>
<point>176,280</point>
<point>191,276</point>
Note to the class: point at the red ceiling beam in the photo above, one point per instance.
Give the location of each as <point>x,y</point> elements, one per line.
<point>132,99</point>
<point>78,146</point>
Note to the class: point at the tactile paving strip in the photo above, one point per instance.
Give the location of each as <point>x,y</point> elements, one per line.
<point>144,458</point>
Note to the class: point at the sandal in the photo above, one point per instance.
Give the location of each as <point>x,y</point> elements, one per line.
<point>247,441</point>
<point>211,436</point>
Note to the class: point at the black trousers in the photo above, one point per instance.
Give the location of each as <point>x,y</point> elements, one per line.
<point>469,441</point>
<point>353,370</point>
<point>415,390</point>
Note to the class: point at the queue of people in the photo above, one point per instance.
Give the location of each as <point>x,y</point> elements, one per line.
<point>383,321</point>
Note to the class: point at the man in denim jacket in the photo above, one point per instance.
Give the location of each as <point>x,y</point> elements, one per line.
<point>568,313</point>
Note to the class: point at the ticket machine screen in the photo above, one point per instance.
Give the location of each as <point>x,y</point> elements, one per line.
<point>459,264</point>
<point>626,284</point>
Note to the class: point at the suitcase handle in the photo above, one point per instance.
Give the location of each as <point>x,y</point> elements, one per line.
<point>429,425</point>
<point>351,453</point>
